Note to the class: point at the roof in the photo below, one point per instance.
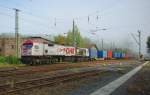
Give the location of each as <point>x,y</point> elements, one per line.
<point>30,37</point>
<point>91,45</point>
<point>37,37</point>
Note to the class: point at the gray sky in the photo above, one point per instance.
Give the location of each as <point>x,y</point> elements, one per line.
<point>120,17</point>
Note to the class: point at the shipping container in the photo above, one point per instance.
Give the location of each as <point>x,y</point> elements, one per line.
<point>115,55</point>
<point>102,54</point>
<point>109,54</point>
<point>126,56</point>
<point>123,55</point>
<point>119,55</point>
<point>92,53</point>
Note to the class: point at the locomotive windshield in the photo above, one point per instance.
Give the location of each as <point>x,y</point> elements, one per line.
<point>27,45</point>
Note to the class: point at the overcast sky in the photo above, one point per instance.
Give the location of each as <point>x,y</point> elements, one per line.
<point>119,17</point>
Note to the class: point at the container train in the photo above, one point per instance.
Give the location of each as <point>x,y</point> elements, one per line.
<point>33,52</point>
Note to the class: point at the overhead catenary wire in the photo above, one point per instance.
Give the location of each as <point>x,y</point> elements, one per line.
<point>55,20</point>
<point>31,22</point>
<point>4,14</point>
<point>96,14</point>
<point>24,13</point>
<point>5,7</point>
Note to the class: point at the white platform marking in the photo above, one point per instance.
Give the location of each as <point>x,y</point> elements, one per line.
<point>109,88</point>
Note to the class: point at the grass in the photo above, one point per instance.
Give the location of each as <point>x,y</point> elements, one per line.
<point>10,61</point>
<point>7,65</point>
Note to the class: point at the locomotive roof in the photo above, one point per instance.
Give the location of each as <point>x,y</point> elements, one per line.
<point>32,39</point>
<point>35,37</point>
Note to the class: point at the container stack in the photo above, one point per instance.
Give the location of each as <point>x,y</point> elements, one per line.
<point>93,53</point>
<point>109,54</point>
<point>102,54</point>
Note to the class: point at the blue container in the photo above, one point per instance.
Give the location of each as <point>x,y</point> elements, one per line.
<point>102,54</point>
<point>115,54</point>
<point>92,53</point>
<point>122,55</point>
<point>119,55</point>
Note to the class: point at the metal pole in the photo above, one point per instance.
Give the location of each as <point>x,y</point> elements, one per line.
<point>16,32</point>
<point>98,43</point>
<point>73,30</point>
<point>139,42</point>
<point>113,45</point>
<point>102,44</point>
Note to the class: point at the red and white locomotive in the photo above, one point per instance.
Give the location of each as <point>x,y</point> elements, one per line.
<point>33,52</point>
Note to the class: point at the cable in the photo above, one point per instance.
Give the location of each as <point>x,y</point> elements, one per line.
<point>39,17</point>
<point>24,12</point>
<point>6,7</point>
<point>35,21</point>
<point>4,14</point>
<point>58,20</point>
<point>96,14</point>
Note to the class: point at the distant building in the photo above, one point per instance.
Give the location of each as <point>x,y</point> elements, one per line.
<point>8,44</point>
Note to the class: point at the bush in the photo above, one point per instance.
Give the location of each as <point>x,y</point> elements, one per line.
<point>9,59</point>
<point>2,59</point>
<point>12,60</point>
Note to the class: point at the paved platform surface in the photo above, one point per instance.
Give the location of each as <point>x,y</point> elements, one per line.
<point>109,88</point>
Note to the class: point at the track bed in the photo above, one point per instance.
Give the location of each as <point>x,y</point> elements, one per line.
<point>44,77</point>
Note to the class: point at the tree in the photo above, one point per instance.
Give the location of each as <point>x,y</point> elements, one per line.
<point>68,40</point>
<point>78,38</point>
<point>59,39</point>
<point>86,42</point>
<point>148,44</point>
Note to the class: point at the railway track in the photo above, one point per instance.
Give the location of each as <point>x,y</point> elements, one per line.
<point>40,82</point>
<point>21,72</point>
<point>5,74</point>
<point>31,70</point>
